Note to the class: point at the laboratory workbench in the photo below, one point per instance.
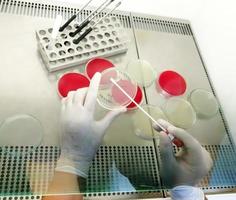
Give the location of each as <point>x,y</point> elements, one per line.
<point>28,87</point>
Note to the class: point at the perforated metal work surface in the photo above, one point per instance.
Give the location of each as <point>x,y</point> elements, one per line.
<point>30,175</point>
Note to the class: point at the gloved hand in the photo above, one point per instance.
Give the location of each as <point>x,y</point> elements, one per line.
<point>189,166</point>
<point>81,134</point>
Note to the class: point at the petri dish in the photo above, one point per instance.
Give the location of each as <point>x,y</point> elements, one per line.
<point>138,99</point>
<point>171,83</point>
<point>109,95</point>
<point>204,103</point>
<point>143,125</point>
<point>20,131</point>
<point>97,65</point>
<point>141,71</point>
<point>71,82</point>
<point>180,112</point>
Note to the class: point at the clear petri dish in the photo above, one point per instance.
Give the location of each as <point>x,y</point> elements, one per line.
<point>109,95</point>
<point>180,113</point>
<point>71,82</point>
<point>204,103</point>
<point>142,72</point>
<point>143,125</point>
<point>171,83</point>
<point>20,131</point>
<point>138,99</point>
<point>97,65</point>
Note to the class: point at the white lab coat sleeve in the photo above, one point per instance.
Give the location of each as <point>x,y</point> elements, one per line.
<point>185,192</point>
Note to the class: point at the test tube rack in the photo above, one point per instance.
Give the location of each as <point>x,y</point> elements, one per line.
<point>108,38</point>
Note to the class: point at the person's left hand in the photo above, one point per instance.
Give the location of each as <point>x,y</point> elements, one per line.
<point>81,134</point>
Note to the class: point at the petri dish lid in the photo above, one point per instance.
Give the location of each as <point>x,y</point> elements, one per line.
<point>142,72</point>
<point>204,103</point>
<point>20,131</point>
<point>71,82</point>
<point>180,112</point>
<point>138,99</point>
<point>109,95</point>
<point>143,125</point>
<point>97,65</point>
<point>172,83</point>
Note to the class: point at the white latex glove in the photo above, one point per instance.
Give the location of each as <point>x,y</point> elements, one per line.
<point>81,134</point>
<point>189,166</point>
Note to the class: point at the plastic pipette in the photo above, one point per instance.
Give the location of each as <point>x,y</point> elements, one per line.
<point>76,41</point>
<point>92,15</point>
<point>74,16</point>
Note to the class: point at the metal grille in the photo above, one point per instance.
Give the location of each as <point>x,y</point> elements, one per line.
<point>49,10</point>
<point>160,25</point>
<point>30,173</point>
<point>26,173</point>
<point>138,163</point>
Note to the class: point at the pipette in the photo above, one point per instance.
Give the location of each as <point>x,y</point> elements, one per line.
<point>87,20</point>
<point>74,16</point>
<point>178,143</point>
<point>76,41</point>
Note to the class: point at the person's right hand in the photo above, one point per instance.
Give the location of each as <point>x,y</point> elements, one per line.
<point>189,166</point>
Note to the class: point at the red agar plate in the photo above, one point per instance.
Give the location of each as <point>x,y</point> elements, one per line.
<point>97,65</point>
<point>71,82</point>
<point>172,83</point>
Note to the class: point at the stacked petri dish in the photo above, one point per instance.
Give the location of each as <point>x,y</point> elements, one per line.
<point>109,95</point>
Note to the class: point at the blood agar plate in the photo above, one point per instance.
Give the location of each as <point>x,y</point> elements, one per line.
<point>142,72</point>
<point>171,83</point>
<point>143,125</point>
<point>97,65</point>
<point>204,103</point>
<point>20,131</point>
<point>180,112</point>
<point>71,82</point>
<point>109,95</point>
<point>138,99</point>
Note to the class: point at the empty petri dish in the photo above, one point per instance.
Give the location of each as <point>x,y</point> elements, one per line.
<point>71,82</point>
<point>204,103</point>
<point>109,95</point>
<point>180,112</point>
<point>171,83</point>
<point>143,125</point>
<point>19,131</point>
<point>138,99</point>
<point>97,65</point>
<point>142,72</point>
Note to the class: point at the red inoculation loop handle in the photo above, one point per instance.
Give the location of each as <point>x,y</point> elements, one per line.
<point>176,141</point>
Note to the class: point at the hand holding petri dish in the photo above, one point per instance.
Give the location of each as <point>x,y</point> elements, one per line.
<point>109,95</point>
